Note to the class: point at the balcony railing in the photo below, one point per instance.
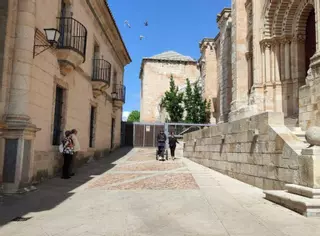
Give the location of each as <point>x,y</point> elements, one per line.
<point>73,35</point>
<point>120,91</point>
<point>101,71</point>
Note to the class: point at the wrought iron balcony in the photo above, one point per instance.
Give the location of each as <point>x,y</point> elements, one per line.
<point>101,71</point>
<point>119,93</point>
<point>72,44</point>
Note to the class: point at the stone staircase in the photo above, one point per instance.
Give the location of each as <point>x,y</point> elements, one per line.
<point>303,200</point>
<point>292,124</point>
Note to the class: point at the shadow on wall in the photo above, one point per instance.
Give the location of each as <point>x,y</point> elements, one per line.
<point>54,191</point>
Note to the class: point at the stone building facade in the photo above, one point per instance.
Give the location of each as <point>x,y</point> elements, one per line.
<point>268,73</point>
<point>48,87</point>
<point>155,76</point>
<point>265,65</point>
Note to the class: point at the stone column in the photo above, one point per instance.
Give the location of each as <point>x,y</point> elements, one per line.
<point>287,66</point>
<point>239,44</point>
<point>210,80</point>
<point>287,69</point>
<point>277,82</point>
<point>19,135</point>
<point>298,68</point>
<point>283,77</point>
<point>250,75</point>
<point>257,96</point>
<point>224,70</point>
<point>268,85</point>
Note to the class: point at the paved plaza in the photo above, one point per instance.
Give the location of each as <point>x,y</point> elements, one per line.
<point>129,193</point>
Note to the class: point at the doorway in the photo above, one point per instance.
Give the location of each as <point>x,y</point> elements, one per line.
<point>310,45</point>
<point>112,133</point>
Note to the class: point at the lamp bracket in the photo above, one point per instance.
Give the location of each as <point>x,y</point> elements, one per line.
<point>46,47</point>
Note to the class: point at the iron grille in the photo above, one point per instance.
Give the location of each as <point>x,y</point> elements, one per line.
<point>73,35</point>
<point>120,91</point>
<point>57,123</point>
<point>101,71</point>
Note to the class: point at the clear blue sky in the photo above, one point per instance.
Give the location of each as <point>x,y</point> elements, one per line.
<point>176,25</point>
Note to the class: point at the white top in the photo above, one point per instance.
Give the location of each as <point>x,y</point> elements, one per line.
<point>76,143</point>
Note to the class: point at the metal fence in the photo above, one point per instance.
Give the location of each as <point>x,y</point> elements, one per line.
<point>145,134</point>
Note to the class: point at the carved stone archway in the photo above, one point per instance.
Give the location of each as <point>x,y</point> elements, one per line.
<point>284,52</point>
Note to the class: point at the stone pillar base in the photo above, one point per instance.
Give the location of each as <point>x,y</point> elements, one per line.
<point>243,112</point>
<point>309,207</point>
<point>17,145</point>
<point>302,199</point>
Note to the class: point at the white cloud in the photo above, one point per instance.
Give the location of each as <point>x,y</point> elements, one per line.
<point>125,115</point>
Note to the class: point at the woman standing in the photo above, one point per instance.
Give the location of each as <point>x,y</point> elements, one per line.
<point>67,155</point>
<point>76,149</point>
<point>172,144</point>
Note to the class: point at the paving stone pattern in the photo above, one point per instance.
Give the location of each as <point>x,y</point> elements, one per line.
<point>107,197</point>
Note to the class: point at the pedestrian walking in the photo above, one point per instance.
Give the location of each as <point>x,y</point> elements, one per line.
<point>161,140</point>
<point>172,144</point>
<point>67,152</point>
<point>76,149</point>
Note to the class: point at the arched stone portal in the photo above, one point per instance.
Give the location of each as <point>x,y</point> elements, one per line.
<point>289,41</point>
<point>310,45</point>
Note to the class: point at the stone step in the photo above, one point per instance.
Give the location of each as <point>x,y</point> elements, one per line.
<point>299,133</point>
<point>303,191</point>
<point>291,122</point>
<point>305,206</point>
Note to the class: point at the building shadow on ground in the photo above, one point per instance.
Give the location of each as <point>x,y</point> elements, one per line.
<point>54,191</point>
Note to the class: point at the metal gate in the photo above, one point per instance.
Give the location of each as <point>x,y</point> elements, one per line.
<point>126,134</point>
<point>145,134</point>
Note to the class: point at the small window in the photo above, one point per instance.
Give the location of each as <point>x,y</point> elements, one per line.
<point>58,116</point>
<point>92,126</point>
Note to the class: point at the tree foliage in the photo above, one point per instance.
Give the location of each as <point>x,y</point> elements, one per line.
<point>189,107</point>
<point>187,101</point>
<point>134,116</point>
<point>197,109</point>
<point>172,102</point>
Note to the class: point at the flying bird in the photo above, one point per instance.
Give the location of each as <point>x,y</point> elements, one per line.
<point>146,23</point>
<point>127,23</point>
<point>141,37</point>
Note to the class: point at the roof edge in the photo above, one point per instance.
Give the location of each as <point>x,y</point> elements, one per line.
<point>116,26</point>
<point>145,59</point>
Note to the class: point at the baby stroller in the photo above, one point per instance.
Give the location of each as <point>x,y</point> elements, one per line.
<point>161,152</point>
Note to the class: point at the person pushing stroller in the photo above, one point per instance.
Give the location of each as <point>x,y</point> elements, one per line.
<point>161,140</point>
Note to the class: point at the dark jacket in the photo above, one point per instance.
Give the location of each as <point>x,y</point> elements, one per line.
<point>162,138</point>
<point>173,141</point>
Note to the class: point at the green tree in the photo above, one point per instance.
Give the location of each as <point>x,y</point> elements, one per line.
<point>187,101</point>
<point>197,108</point>
<point>134,116</point>
<point>198,104</point>
<point>172,102</point>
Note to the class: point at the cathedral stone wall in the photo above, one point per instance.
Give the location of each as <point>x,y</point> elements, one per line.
<point>258,150</point>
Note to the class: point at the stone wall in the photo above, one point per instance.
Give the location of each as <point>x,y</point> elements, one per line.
<point>155,82</point>
<point>209,75</point>
<point>225,75</point>
<point>259,150</point>
<point>309,114</point>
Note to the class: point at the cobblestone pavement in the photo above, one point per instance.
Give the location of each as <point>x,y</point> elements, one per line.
<point>136,195</point>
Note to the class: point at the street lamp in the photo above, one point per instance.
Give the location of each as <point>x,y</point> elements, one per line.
<point>52,37</point>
